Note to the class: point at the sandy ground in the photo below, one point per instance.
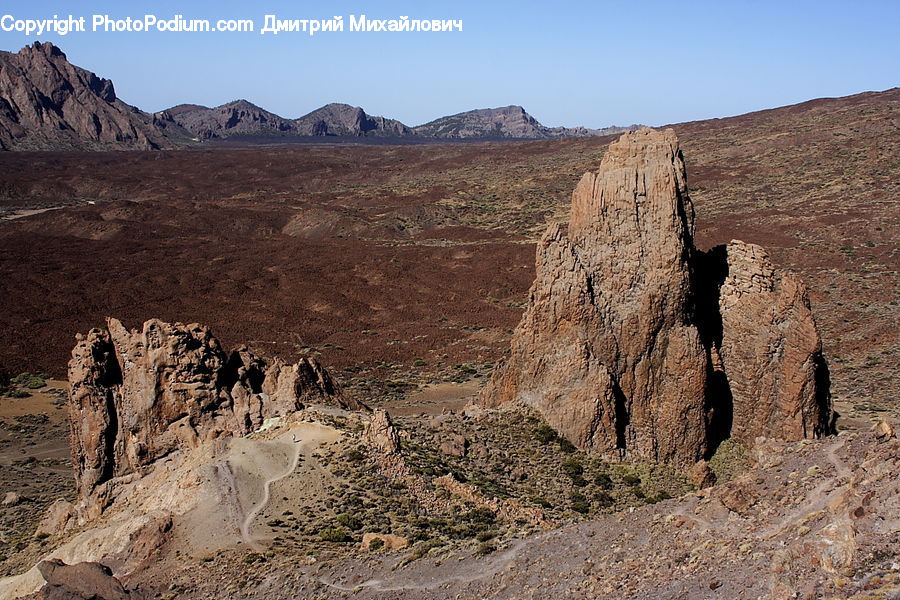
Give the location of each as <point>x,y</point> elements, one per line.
<point>44,401</point>
<point>436,398</point>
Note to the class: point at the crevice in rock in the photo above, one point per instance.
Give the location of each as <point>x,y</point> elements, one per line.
<point>622,418</point>
<point>111,380</point>
<point>710,269</point>
<point>827,425</point>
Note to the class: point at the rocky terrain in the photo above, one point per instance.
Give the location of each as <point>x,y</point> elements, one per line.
<point>321,502</point>
<point>202,472</point>
<point>406,270</point>
<point>398,286</point>
<point>505,122</point>
<point>48,103</point>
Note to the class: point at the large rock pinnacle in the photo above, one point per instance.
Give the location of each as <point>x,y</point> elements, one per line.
<point>620,349</point>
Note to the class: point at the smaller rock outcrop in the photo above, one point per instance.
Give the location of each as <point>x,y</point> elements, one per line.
<point>56,519</point>
<point>767,349</point>
<point>80,581</point>
<point>139,395</point>
<point>11,499</point>
<point>380,434</point>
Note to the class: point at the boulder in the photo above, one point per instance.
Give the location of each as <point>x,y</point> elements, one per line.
<point>81,581</point>
<point>388,541</point>
<point>57,518</point>
<point>701,475</point>
<point>11,499</point>
<point>454,445</point>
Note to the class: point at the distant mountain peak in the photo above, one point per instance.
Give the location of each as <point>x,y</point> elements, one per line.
<point>48,103</point>
<point>511,121</point>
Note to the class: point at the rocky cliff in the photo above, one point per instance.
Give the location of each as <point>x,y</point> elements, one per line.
<point>137,396</point>
<point>48,103</point>
<point>635,344</point>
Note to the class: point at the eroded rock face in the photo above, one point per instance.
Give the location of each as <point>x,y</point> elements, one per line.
<point>621,346</point>
<point>136,396</point>
<point>48,103</point>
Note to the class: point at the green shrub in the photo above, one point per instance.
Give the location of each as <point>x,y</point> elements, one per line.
<point>355,455</point>
<point>484,536</point>
<point>35,383</point>
<point>480,515</point>
<point>659,496</point>
<point>17,394</point>
<point>423,548</point>
<point>419,363</point>
<point>485,548</point>
<point>581,507</point>
<point>572,467</point>
<point>334,534</point>
<point>632,480</point>
<point>730,460</point>
<point>603,498</point>
<point>603,481</point>
<point>376,544</point>
<point>542,502</point>
<point>349,521</point>
<point>566,446</point>
<point>545,434</point>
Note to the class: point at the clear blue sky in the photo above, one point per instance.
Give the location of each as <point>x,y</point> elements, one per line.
<point>568,63</point>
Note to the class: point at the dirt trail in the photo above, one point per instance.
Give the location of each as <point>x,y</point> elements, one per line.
<point>478,570</point>
<point>256,465</point>
<point>248,519</point>
<point>819,497</point>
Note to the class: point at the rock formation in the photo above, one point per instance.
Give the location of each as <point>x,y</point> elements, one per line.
<point>636,344</point>
<point>137,396</point>
<point>767,349</point>
<point>48,103</point>
<point>81,581</point>
<point>380,434</point>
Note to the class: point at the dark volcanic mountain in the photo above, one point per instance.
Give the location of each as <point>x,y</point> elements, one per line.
<point>48,103</point>
<point>506,122</point>
<point>346,120</point>
<point>239,117</point>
